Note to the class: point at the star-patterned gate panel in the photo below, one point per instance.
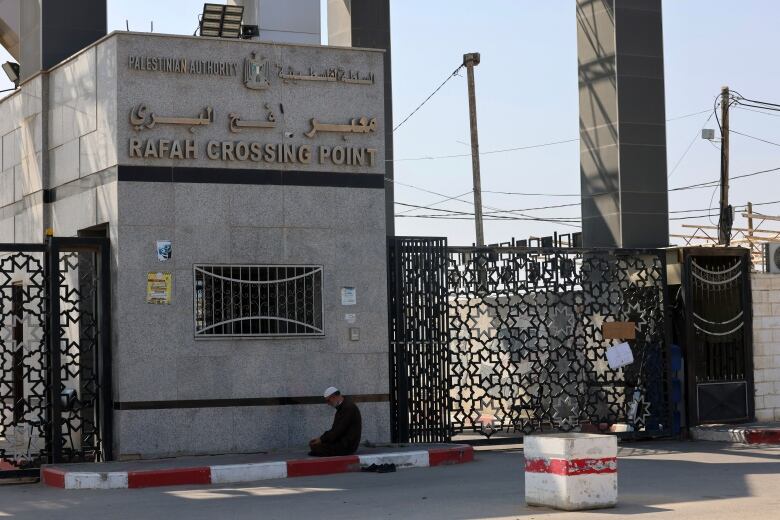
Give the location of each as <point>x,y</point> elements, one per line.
<point>54,387</point>
<point>526,335</point>
<point>528,343</point>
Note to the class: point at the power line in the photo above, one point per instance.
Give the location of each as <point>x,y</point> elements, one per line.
<point>754,137</point>
<point>688,115</point>
<point>471,203</point>
<point>741,97</point>
<point>467,217</point>
<point>430,205</point>
<point>502,150</point>
<point>496,213</point>
<point>533,194</point>
<point>454,73</point>
<point>709,184</point>
<point>757,111</point>
<point>698,210</point>
<point>690,145</point>
<point>513,149</point>
<point>761,107</point>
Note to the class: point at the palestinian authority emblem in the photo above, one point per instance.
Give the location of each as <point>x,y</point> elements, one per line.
<point>256,73</point>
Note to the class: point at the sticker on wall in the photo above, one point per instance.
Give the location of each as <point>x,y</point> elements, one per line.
<point>350,318</point>
<point>164,250</point>
<point>348,296</point>
<point>158,288</point>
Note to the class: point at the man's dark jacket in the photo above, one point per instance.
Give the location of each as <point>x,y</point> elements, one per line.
<point>344,435</point>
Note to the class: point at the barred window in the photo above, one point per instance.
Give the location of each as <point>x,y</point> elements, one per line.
<point>258,300</point>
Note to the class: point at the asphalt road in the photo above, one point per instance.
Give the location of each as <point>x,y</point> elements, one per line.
<point>656,480</point>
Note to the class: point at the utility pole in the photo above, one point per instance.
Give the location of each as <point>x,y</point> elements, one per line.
<point>726,215</point>
<point>470,60</point>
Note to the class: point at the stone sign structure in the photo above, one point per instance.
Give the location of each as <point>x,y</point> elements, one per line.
<point>242,186</point>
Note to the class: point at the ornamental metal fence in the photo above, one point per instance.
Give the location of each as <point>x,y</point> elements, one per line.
<point>514,340</point>
<point>55,388</point>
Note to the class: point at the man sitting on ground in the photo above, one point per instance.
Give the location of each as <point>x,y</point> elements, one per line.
<point>343,437</point>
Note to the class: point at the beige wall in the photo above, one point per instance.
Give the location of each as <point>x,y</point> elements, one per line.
<point>766,345</point>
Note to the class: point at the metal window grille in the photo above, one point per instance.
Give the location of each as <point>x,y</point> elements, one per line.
<point>258,300</point>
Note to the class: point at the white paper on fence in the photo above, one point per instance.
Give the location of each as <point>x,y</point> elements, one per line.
<point>619,356</point>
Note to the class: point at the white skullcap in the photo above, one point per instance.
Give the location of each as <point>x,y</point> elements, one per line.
<point>329,391</point>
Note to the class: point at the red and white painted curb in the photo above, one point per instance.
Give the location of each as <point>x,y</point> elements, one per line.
<point>762,436</point>
<point>736,434</point>
<point>233,473</point>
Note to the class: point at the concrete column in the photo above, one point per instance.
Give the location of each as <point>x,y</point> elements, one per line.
<point>370,28</point>
<point>9,26</point>
<point>622,123</point>
<point>340,23</point>
<point>52,30</point>
<point>284,21</point>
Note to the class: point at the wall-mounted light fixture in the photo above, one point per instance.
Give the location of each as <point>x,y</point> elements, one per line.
<point>11,70</point>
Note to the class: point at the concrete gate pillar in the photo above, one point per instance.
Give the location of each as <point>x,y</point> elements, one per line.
<point>622,123</point>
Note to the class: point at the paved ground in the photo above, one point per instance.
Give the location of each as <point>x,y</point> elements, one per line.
<point>703,480</point>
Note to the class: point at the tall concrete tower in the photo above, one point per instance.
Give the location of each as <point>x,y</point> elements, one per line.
<point>41,33</point>
<point>622,123</point>
<point>366,23</point>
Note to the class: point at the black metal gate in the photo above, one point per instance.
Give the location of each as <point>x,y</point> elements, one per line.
<point>55,365</point>
<point>718,338</point>
<point>514,340</point>
<point>419,359</point>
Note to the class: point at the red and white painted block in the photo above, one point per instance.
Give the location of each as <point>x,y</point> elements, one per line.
<point>571,471</point>
<point>233,473</point>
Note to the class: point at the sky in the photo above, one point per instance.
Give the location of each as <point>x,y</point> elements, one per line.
<point>527,95</point>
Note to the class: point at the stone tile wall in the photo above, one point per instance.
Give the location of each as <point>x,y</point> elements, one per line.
<point>766,345</point>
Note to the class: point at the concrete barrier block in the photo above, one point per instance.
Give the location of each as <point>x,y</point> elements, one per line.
<point>571,471</point>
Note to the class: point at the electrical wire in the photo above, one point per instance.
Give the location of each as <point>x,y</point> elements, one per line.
<point>498,211</point>
<point>471,203</point>
<point>495,214</point>
<point>516,148</point>
<point>754,137</point>
<point>574,218</point>
<point>489,152</point>
<point>688,115</point>
<point>712,199</point>
<point>454,73</point>
<point>533,194</point>
<point>709,184</point>
<point>430,205</point>
<point>741,97</point>
<point>740,107</point>
<point>690,145</point>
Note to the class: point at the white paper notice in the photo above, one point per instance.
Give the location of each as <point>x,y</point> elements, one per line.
<point>619,356</point>
<point>348,296</point>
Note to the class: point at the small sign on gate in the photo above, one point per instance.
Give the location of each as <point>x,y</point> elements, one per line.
<point>619,330</point>
<point>619,356</point>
